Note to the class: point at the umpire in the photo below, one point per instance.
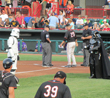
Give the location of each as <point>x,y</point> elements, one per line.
<point>8,81</point>
<point>86,36</point>
<point>47,52</point>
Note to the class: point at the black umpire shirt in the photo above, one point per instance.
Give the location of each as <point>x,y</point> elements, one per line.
<point>53,89</point>
<point>70,36</point>
<point>44,36</point>
<point>86,33</point>
<point>8,81</point>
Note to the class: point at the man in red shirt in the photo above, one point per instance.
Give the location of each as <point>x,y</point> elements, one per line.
<point>20,19</point>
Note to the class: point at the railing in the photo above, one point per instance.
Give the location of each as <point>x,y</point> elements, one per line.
<point>54,45</point>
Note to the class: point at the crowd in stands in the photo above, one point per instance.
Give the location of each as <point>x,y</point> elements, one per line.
<point>54,20</point>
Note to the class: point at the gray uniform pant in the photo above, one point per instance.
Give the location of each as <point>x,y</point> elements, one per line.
<point>86,55</point>
<point>47,54</point>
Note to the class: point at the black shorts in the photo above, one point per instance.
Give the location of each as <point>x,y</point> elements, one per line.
<point>8,4</point>
<point>48,5</point>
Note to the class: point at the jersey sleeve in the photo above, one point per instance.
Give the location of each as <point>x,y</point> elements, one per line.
<point>47,35</point>
<point>66,36</point>
<point>13,82</point>
<point>67,93</point>
<point>38,94</point>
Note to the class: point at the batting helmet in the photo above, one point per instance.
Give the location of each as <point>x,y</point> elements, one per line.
<point>7,63</point>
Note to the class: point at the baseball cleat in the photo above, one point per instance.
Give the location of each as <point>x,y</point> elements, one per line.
<point>68,66</point>
<point>73,65</point>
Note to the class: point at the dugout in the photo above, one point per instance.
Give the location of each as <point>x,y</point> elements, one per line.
<point>31,36</point>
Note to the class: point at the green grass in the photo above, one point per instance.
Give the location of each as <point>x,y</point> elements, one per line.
<point>24,57</point>
<point>80,86</point>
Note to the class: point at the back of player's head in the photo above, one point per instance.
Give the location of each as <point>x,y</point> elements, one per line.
<point>60,74</point>
<point>7,63</point>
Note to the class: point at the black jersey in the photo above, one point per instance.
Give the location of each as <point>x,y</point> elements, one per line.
<point>86,33</point>
<point>53,89</point>
<point>44,36</point>
<point>9,80</point>
<point>70,36</point>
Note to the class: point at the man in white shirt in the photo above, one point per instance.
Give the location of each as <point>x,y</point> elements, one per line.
<point>4,16</point>
<point>79,22</point>
<point>108,2</point>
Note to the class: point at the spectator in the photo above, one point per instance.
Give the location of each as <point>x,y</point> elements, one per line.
<point>7,23</point>
<point>41,23</point>
<point>14,23</point>
<point>61,15</point>
<point>31,23</point>
<point>85,20</point>
<point>102,20</point>
<point>71,23</point>
<point>3,16</point>
<point>8,6</point>
<point>64,21</point>
<point>96,26</point>
<point>53,21</point>
<point>108,3</point>
<point>70,8</point>
<point>89,24</point>
<point>103,25</point>
<point>1,23</point>
<point>48,5</point>
<point>28,2</point>
<point>24,46</point>
<point>63,3</point>
<point>10,17</point>
<point>79,22</point>
<point>106,27</point>
<point>20,19</point>
<point>36,48</point>
<point>74,20</point>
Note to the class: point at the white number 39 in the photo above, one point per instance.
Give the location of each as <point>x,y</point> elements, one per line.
<point>51,91</point>
<point>72,34</point>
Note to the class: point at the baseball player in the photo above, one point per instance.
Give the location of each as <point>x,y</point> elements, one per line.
<point>70,36</point>
<point>8,81</point>
<point>55,88</point>
<point>12,43</point>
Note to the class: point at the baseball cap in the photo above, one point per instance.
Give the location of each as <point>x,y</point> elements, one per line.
<point>60,74</point>
<point>55,14</point>
<point>68,24</point>
<point>104,16</point>
<point>85,24</point>
<point>47,26</point>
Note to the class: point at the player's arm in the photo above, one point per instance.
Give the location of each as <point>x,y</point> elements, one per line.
<point>47,38</point>
<point>11,92</point>
<point>67,93</point>
<point>38,94</point>
<point>65,38</point>
<point>10,43</point>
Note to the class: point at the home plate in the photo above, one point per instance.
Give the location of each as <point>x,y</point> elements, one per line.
<point>63,66</point>
<point>36,64</point>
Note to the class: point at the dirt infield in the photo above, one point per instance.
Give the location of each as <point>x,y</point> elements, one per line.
<point>34,68</point>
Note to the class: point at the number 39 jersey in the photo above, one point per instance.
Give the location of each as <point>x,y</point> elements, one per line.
<point>53,89</point>
<point>70,36</point>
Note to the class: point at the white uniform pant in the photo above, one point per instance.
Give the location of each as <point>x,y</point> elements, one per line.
<point>70,53</point>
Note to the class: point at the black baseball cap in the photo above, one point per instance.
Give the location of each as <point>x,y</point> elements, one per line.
<point>47,26</point>
<point>60,74</point>
<point>85,24</point>
<point>68,24</point>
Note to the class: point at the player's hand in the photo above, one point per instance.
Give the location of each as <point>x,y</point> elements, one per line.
<point>60,45</point>
<point>18,58</point>
<point>13,58</point>
<point>76,44</point>
<point>82,38</point>
<point>50,41</point>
